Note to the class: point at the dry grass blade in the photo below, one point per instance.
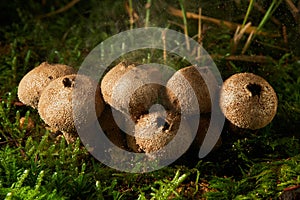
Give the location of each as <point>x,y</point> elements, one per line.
<point>294,10</point>
<point>245,58</point>
<point>63,9</point>
<point>230,25</point>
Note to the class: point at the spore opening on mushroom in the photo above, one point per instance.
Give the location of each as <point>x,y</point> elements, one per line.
<point>162,122</point>
<point>255,89</point>
<point>67,82</point>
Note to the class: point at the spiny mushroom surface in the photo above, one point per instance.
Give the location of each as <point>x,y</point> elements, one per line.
<point>188,85</point>
<point>56,107</point>
<point>154,131</point>
<point>248,101</point>
<point>33,83</point>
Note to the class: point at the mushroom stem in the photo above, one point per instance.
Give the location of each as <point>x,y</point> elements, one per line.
<point>70,137</point>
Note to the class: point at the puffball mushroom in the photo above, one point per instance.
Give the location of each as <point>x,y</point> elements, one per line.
<point>55,105</point>
<point>248,101</point>
<point>134,92</point>
<point>111,78</point>
<point>33,83</point>
<point>154,131</point>
<point>186,82</point>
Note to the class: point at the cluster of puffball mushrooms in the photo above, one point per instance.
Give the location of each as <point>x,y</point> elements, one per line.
<point>246,100</point>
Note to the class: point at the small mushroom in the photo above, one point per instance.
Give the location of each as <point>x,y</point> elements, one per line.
<point>154,131</point>
<point>248,101</point>
<point>56,107</point>
<point>33,83</point>
<point>135,92</point>
<point>186,85</point>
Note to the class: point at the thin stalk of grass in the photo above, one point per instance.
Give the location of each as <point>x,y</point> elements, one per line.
<point>130,14</point>
<point>199,33</point>
<point>250,6</point>
<point>269,13</point>
<point>148,6</point>
<point>181,2</point>
<point>274,5</point>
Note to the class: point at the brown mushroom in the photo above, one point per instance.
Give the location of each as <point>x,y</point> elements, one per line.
<point>112,77</point>
<point>110,126</point>
<point>33,83</point>
<point>56,106</point>
<point>135,92</point>
<point>155,130</point>
<point>188,86</point>
<point>248,101</point>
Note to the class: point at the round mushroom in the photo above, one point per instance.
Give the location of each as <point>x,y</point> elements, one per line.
<point>33,83</point>
<point>184,84</point>
<point>155,130</point>
<point>248,101</point>
<point>111,78</point>
<point>135,92</point>
<point>56,106</point>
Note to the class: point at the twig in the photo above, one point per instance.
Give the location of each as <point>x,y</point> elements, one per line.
<point>63,9</point>
<point>163,37</point>
<point>294,10</point>
<point>248,42</point>
<point>230,25</point>
<point>199,34</point>
<point>245,58</point>
<point>133,16</point>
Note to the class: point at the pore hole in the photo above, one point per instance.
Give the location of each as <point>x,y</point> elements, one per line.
<point>255,89</point>
<point>162,123</point>
<point>67,82</point>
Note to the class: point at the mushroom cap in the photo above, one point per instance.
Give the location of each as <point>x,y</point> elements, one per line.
<point>111,78</point>
<point>135,92</point>
<point>248,101</point>
<point>33,83</point>
<point>154,131</point>
<point>56,107</point>
<point>186,85</point>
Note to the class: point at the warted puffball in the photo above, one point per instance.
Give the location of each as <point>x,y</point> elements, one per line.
<point>154,131</point>
<point>56,107</point>
<point>248,101</point>
<point>135,92</point>
<point>184,84</point>
<point>33,83</point>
